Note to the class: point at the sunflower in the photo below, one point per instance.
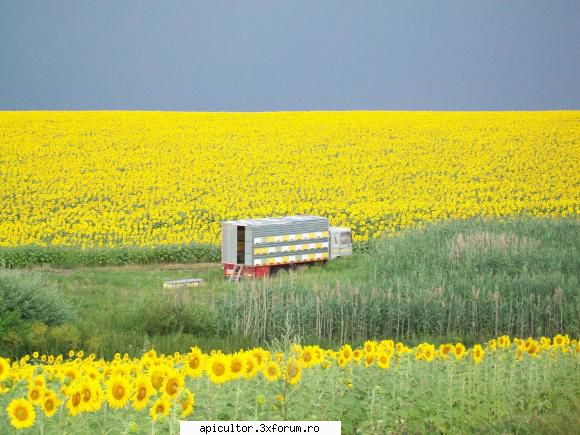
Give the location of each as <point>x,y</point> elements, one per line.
<point>4,368</point>
<point>384,360</point>
<point>93,373</point>
<point>459,351</point>
<point>428,352</point>
<point>261,356</point>
<point>319,354</point>
<point>250,365</point>
<point>346,352</point>
<point>91,395</point>
<point>445,349</point>
<point>151,353</point>
<point>561,340</point>
<point>478,353</point>
<point>296,348</point>
<point>532,348</point>
<point>370,346</point>
<point>218,368</point>
<point>36,394</point>
<point>75,399</point>
<point>173,383</point>
<point>272,371</point>
<point>400,348</point>
<point>39,381</point>
<point>307,356</point>
<point>186,402</point>
<point>369,358</point>
<point>545,342</point>
<point>71,372</point>
<point>21,413</point>
<point>293,372</point>
<point>504,341</point>
<point>194,366</point>
<point>492,344</point>
<point>357,354</point>
<point>157,374</point>
<point>160,407</point>
<point>50,404</point>
<point>118,391</point>
<point>419,353</point>
<point>237,365</point>
<point>120,370</point>
<point>143,391</point>
<point>387,345</point>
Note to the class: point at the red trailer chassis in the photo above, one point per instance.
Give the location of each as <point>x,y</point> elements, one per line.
<point>264,271</point>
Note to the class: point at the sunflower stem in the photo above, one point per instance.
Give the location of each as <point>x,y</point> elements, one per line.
<point>237,408</point>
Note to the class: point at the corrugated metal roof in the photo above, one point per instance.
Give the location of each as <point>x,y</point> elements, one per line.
<point>274,220</point>
<point>345,229</point>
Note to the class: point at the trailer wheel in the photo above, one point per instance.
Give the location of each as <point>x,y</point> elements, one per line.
<point>279,271</point>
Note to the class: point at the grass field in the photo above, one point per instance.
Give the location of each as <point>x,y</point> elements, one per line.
<point>452,281</point>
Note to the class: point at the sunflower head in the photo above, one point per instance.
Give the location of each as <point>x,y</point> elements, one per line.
<point>459,351</point>
<point>36,394</point>
<point>271,371</point>
<point>384,360</point>
<point>161,407</point>
<point>186,401</point>
<point>251,367</point>
<point>118,391</point>
<point>22,414</point>
<point>50,404</point>
<point>237,365</point>
<point>478,353</point>
<point>218,368</point>
<point>195,361</point>
<point>74,403</point>
<point>173,383</point>
<point>293,371</point>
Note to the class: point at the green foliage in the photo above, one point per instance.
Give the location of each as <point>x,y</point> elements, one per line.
<point>126,310</point>
<point>459,280</point>
<point>26,256</point>
<point>30,313</point>
<point>26,298</point>
<point>164,312</point>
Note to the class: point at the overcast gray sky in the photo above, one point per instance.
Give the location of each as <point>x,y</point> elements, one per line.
<point>268,55</point>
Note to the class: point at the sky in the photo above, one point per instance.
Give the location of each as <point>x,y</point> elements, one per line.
<point>270,55</point>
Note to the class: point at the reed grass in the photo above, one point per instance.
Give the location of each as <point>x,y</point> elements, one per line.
<point>462,280</point>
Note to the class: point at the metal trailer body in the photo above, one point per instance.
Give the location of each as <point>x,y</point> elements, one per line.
<point>253,248</point>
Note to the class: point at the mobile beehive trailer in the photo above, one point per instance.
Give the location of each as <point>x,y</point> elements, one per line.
<point>254,248</point>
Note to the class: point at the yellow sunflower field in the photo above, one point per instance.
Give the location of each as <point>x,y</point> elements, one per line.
<point>109,179</point>
<point>384,380</point>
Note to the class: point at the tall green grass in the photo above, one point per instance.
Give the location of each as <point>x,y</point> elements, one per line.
<point>463,280</point>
